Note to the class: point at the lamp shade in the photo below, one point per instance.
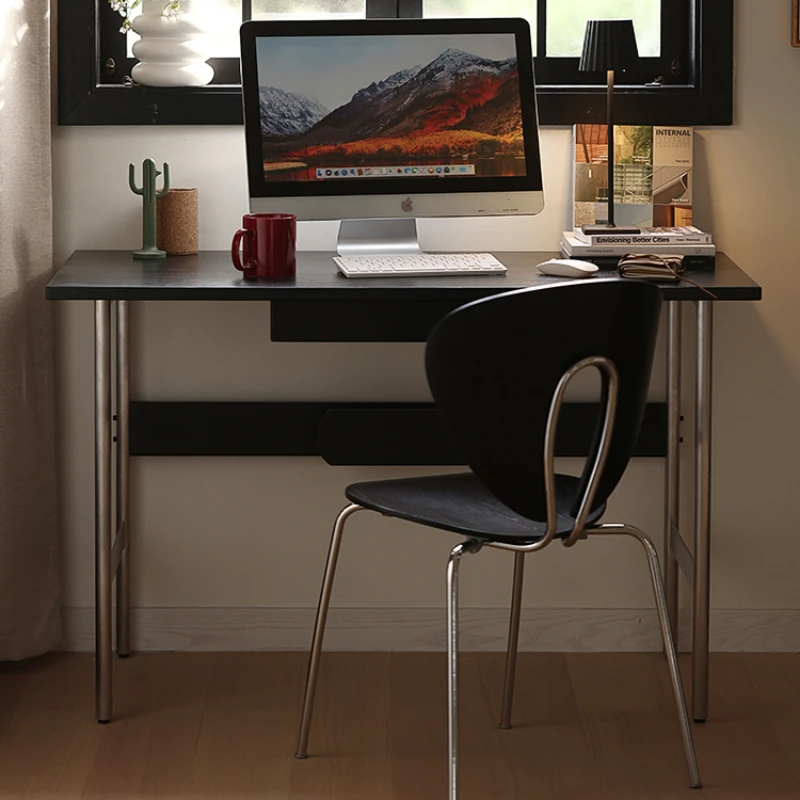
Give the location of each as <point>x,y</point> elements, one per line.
<point>608,44</point>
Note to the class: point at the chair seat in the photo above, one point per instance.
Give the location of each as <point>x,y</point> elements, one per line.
<point>462,504</point>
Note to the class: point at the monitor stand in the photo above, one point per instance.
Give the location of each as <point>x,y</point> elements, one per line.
<point>384,237</point>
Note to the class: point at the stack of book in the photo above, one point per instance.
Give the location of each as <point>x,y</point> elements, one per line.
<point>695,246</point>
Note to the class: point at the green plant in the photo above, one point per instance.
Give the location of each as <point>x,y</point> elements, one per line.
<point>172,8</point>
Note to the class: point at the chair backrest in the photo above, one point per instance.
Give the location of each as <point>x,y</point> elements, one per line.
<point>494,365</point>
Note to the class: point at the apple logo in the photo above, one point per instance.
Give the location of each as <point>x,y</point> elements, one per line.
<point>407,204</point>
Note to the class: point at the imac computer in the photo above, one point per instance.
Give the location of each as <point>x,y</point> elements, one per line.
<point>378,122</point>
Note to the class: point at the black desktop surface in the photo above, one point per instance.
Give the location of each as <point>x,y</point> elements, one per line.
<point>210,275</point>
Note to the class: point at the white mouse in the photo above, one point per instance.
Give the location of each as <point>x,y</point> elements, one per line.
<point>567,268</point>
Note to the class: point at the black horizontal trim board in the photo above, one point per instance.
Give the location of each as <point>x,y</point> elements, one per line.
<point>375,434</point>
<point>112,104</point>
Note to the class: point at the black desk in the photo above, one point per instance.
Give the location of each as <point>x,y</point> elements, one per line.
<point>321,305</point>
<point>114,275</point>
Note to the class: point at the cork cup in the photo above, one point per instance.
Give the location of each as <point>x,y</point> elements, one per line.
<point>177,222</point>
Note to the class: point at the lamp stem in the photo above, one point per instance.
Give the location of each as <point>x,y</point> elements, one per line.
<point>610,123</point>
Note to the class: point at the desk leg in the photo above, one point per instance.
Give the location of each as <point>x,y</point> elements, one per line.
<point>673,462</point>
<point>102,507</point>
<point>123,480</point>
<point>702,533</point>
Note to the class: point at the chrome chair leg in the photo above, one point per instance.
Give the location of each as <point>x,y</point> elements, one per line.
<point>672,659</point>
<point>319,628</point>
<point>470,546</point>
<point>513,640</point>
<point>668,640</point>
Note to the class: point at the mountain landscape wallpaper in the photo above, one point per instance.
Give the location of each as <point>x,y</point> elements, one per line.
<point>390,101</point>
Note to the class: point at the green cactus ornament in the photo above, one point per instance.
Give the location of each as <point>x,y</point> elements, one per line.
<point>149,197</point>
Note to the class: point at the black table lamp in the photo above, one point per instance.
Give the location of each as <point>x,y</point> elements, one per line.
<point>609,45</point>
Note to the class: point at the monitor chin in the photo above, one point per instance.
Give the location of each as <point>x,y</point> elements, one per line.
<point>403,206</point>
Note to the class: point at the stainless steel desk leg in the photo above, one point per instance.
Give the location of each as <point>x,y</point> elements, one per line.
<point>673,464</point>
<point>123,479</point>
<point>702,533</point>
<point>102,506</point>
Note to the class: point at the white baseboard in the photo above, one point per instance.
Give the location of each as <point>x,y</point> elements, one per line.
<point>422,629</point>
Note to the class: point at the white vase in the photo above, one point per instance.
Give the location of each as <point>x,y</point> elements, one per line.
<point>171,52</point>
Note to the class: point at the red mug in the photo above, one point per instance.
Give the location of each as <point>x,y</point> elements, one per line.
<point>268,246</point>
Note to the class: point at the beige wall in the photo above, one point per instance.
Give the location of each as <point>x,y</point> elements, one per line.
<point>253,532</point>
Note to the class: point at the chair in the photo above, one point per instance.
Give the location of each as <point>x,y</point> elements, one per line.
<point>498,369</point>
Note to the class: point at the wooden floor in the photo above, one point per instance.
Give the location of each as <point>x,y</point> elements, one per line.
<point>223,726</point>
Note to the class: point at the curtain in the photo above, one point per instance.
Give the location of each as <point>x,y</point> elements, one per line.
<point>29,553</point>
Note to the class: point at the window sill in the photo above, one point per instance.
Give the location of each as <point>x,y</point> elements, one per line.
<point>222,105</point>
<point>656,105</point>
<point>155,105</point>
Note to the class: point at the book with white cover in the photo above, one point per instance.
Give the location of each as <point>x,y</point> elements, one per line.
<point>652,175</point>
<point>684,234</point>
<point>574,247</point>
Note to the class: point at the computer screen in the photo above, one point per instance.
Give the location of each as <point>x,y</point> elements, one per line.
<point>391,118</point>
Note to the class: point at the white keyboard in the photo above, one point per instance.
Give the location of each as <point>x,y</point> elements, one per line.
<point>420,264</point>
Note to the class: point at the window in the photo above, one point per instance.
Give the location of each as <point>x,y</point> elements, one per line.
<point>309,9</point>
<point>685,74</point>
<point>567,21</point>
<point>480,8</point>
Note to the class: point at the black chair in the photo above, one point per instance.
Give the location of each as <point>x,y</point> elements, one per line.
<point>498,369</point>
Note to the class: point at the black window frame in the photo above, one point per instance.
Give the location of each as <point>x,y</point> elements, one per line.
<point>687,86</point>
<point>672,66</point>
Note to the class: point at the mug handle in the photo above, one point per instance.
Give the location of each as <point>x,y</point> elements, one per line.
<point>236,244</point>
